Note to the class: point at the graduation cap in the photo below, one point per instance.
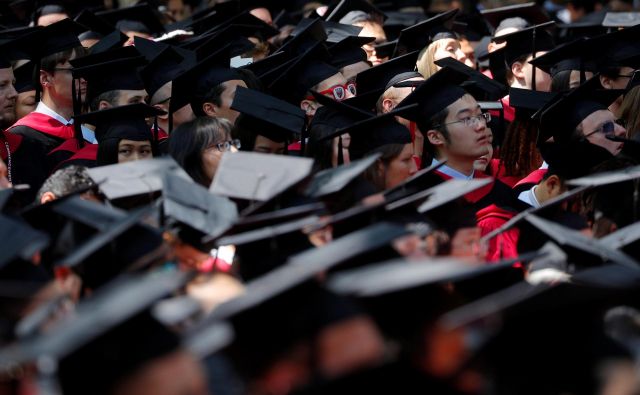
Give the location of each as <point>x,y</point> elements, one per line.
<point>582,250</point>
<point>307,34</point>
<point>330,181</point>
<point>119,74</point>
<point>268,116</point>
<point>531,12</point>
<point>112,41</point>
<point>383,76</point>
<point>94,23</point>
<point>570,56</point>
<point>264,66</point>
<point>193,85</point>
<point>386,50</point>
<point>375,132</point>
<point>337,32</point>
<point>342,8</point>
<point>616,49</point>
<point>258,177</point>
<point>573,160</point>
<point>562,116</point>
<point>124,122</point>
<point>55,38</point>
<point>302,74</point>
<point>483,87</point>
<point>142,177</point>
<point>435,94</point>
<point>24,78</point>
<point>23,242</point>
<point>163,68</point>
<point>349,51</point>
<point>527,102</point>
<point>107,325</point>
<point>607,178</point>
<point>139,18</point>
<point>567,32</point>
<point>527,41</point>
<point>419,36</point>
<point>197,211</point>
<point>621,19</point>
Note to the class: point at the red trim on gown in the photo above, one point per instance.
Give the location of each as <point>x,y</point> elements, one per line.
<point>46,124</point>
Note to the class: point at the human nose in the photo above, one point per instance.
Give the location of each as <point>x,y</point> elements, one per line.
<point>413,169</point>
<point>460,56</point>
<point>13,93</point>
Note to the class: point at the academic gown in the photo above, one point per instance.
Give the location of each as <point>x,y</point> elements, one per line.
<point>494,205</point>
<point>87,156</point>
<point>43,129</point>
<point>529,181</point>
<point>26,166</point>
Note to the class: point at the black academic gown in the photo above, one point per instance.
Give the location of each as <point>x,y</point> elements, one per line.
<point>25,160</point>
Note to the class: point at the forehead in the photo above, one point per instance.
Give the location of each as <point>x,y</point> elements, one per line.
<point>336,79</point>
<point>597,118</point>
<point>445,42</point>
<point>466,102</point>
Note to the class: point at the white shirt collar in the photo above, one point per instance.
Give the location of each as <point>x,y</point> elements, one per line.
<point>87,133</point>
<point>529,197</point>
<point>451,172</point>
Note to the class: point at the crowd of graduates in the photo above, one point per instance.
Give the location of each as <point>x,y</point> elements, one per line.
<point>302,197</point>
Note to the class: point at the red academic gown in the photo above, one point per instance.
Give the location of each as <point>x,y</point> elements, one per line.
<point>25,162</point>
<point>47,131</point>
<point>494,205</point>
<point>87,156</point>
<point>529,181</point>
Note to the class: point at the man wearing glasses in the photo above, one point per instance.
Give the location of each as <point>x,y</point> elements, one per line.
<point>51,123</point>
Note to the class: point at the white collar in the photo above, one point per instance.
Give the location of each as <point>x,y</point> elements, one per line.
<point>87,133</point>
<point>453,173</point>
<point>46,110</point>
<point>529,197</point>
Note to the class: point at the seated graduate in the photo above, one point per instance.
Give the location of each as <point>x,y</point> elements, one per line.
<point>199,145</point>
<point>123,133</point>
<point>266,124</point>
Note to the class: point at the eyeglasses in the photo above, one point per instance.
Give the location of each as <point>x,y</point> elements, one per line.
<point>339,92</point>
<point>470,121</point>
<point>608,129</point>
<point>69,69</point>
<point>226,145</point>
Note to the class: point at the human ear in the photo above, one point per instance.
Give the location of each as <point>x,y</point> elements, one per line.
<point>516,70</point>
<point>209,109</point>
<point>308,107</point>
<point>387,105</point>
<point>435,137</point>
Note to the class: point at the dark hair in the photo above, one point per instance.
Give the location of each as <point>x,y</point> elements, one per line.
<point>389,152</point>
<point>108,151</point>
<point>519,154</point>
<point>436,122</point>
<point>66,181</point>
<point>110,97</point>
<point>214,95</point>
<point>610,71</point>
<point>189,140</point>
<point>50,62</point>
<point>246,136</point>
<point>561,81</point>
<point>320,150</point>
<point>252,81</point>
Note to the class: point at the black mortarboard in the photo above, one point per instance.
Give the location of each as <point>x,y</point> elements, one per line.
<point>418,37</point>
<point>378,77</point>
<point>22,242</point>
<point>119,74</point>
<point>142,177</point>
<point>483,87</point>
<point>385,50</point>
<point>258,177</point>
<point>375,132</point>
<point>573,160</point>
<point>24,78</point>
<point>531,12</point>
<point>197,211</point>
<point>616,49</point>
<point>233,36</point>
<point>570,56</point>
<point>349,51</point>
<point>111,41</point>
<point>194,85</point>
<point>524,41</point>
<point>337,32</point>
<point>582,250</point>
<point>609,177</point>
<point>94,23</point>
<point>621,19</point>
<point>340,8</point>
<point>110,328</point>
<point>140,18</point>
<point>435,94</point>
<point>497,66</point>
<point>307,34</point>
<point>302,74</point>
<point>528,101</point>
<point>55,38</point>
<point>336,114</point>
<point>264,66</point>
<point>563,115</point>
<point>571,31</point>
<point>330,181</point>
<point>266,115</point>
<point>123,122</point>
<point>164,67</point>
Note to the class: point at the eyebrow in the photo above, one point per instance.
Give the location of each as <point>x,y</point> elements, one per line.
<point>467,110</point>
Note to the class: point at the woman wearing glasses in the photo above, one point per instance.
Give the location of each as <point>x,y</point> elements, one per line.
<point>198,146</point>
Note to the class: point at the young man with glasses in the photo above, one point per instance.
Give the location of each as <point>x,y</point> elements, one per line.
<point>51,123</point>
